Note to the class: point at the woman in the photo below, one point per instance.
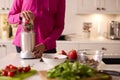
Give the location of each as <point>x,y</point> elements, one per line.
<point>48,17</point>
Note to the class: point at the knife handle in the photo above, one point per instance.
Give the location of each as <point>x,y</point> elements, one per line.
<point>110,72</point>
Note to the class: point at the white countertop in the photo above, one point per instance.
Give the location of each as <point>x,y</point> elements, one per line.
<point>76,41</point>
<point>17,61</point>
<point>91,41</point>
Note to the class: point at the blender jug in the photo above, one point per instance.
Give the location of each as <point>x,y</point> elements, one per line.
<point>27,40</point>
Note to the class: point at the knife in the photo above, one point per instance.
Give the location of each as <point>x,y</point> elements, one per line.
<point>111,72</point>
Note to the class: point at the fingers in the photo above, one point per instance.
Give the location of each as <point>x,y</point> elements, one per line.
<point>37,54</point>
<point>28,15</point>
<point>38,50</point>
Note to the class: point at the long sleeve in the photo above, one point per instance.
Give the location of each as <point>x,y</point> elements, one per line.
<point>14,13</point>
<point>59,25</point>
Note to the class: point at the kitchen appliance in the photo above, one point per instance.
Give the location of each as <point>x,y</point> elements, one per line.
<point>27,40</point>
<point>114,30</point>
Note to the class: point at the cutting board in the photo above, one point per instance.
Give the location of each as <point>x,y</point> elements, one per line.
<point>43,75</point>
<point>21,76</point>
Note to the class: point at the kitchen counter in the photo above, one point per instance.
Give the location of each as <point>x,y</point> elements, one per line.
<point>36,64</point>
<point>90,41</point>
<point>75,41</point>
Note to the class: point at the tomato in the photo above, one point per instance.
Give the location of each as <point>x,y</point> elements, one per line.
<point>7,68</point>
<point>26,69</point>
<point>4,73</point>
<point>20,69</point>
<point>63,52</point>
<point>11,74</point>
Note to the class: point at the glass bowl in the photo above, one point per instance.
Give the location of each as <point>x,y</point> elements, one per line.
<point>91,58</point>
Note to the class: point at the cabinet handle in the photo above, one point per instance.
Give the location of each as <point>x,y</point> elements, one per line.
<point>105,49</point>
<point>3,8</point>
<point>103,9</point>
<point>3,45</point>
<point>98,9</point>
<point>8,8</point>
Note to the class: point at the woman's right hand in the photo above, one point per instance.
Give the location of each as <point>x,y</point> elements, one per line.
<point>28,15</point>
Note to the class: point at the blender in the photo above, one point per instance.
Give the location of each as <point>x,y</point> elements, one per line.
<point>27,40</point>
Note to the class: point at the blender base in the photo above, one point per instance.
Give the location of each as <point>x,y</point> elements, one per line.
<point>26,55</point>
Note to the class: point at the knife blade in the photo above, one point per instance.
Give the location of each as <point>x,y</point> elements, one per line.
<point>111,72</point>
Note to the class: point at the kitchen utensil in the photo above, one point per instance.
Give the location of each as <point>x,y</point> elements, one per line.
<point>111,72</point>
<point>27,40</point>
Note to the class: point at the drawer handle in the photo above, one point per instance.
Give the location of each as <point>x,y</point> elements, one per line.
<point>3,45</point>
<point>104,48</point>
<point>98,9</point>
<point>103,9</point>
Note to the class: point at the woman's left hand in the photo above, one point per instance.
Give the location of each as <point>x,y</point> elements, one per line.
<point>38,50</point>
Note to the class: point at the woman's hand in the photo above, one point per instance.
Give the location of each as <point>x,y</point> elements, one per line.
<point>38,50</point>
<point>28,15</point>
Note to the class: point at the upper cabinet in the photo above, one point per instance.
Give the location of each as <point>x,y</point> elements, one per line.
<point>98,6</point>
<point>5,5</point>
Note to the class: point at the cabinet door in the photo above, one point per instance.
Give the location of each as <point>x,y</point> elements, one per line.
<point>109,5</point>
<point>5,5</point>
<point>2,3</point>
<point>98,6</point>
<point>10,48</point>
<point>88,6</point>
<point>10,3</point>
<point>118,5</point>
<point>3,50</point>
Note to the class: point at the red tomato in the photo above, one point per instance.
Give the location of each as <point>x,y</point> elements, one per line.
<point>27,69</point>
<point>63,52</point>
<point>7,68</point>
<point>20,69</point>
<point>72,55</point>
<point>4,73</point>
<point>11,74</point>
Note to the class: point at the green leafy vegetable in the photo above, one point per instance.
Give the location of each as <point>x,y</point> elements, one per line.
<point>71,71</point>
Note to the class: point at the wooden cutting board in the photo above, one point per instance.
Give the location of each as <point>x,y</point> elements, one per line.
<point>43,75</point>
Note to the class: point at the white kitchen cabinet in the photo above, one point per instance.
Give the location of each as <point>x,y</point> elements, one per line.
<point>5,5</point>
<point>98,6</point>
<point>3,50</point>
<point>6,48</point>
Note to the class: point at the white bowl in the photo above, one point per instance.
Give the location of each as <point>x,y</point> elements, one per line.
<point>53,60</point>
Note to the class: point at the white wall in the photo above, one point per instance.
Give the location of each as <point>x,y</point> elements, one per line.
<point>74,22</point>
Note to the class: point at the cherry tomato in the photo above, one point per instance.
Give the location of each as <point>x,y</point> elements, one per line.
<point>20,69</point>
<point>4,73</point>
<point>11,74</point>
<point>26,69</point>
<point>7,68</point>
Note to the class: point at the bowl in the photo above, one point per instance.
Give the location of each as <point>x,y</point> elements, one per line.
<point>53,60</point>
<point>91,58</point>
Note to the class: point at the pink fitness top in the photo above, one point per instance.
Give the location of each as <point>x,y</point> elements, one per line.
<point>48,23</point>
